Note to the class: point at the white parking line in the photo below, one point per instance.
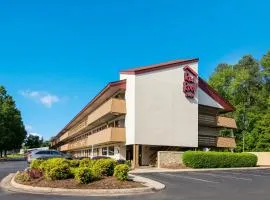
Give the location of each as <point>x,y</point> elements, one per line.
<point>221,176</point>
<point>239,173</point>
<point>191,178</point>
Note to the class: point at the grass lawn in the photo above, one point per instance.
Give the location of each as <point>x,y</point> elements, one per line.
<point>15,156</point>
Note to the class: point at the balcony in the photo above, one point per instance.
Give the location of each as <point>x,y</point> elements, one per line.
<point>112,106</point>
<point>77,144</point>
<point>108,135</point>
<point>64,136</point>
<point>64,147</point>
<point>226,122</point>
<point>208,120</point>
<point>226,142</point>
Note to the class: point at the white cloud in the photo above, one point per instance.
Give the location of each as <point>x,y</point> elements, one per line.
<point>29,130</point>
<point>35,134</point>
<point>44,98</point>
<point>28,127</point>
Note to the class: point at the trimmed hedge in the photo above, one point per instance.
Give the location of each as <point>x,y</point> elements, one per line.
<point>201,159</point>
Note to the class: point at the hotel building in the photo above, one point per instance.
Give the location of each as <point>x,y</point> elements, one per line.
<point>162,107</point>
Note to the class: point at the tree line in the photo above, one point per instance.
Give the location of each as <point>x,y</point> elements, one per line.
<point>246,85</point>
<point>12,130</point>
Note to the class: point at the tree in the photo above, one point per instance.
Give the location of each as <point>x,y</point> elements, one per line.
<point>33,141</point>
<point>45,143</point>
<point>12,131</point>
<point>246,85</point>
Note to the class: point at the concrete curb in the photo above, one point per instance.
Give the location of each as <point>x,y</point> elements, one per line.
<point>158,170</point>
<point>10,184</point>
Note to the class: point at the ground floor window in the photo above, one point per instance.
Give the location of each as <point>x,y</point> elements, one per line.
<point>104,151</point>
<point>111,150</point>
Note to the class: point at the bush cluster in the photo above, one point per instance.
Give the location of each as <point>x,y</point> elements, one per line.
<point>104,167</point>
<point>23,176</point>
<point>121,172</point>
<point>200,159</point>
<point>84,171</point>
<point>84,175</point>
<point>35,164</point>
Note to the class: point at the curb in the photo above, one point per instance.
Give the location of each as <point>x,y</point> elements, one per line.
<point>158,170</point>
<point>10,184</point>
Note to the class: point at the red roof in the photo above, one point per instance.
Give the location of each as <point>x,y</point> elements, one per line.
<point>161,66</point>
<point>202,84</point>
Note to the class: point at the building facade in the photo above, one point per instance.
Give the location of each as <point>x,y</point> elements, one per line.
<point>155,108</point>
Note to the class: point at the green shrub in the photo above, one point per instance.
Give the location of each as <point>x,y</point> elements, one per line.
<point>23,176</point>
<point>74,163</point>
<point>87,162</point>
<point>104,167</point>
<point>121,172</point>
<point>35,164</point>
<point>84,175</point>
<point>73,171</point>
<point>58,173</point>
<point>200,159</point>
<point>52,163</point>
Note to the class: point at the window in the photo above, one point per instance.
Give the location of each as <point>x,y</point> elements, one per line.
<point>55,153</point>
<point>111,150</point>
<point>42,152</point>
<point>104,151</point>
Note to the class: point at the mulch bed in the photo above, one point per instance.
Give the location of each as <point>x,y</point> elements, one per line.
<point>105,183</point>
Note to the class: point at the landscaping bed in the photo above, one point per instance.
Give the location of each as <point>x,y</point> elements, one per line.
<point>77,174</point>
<point>105,183</point>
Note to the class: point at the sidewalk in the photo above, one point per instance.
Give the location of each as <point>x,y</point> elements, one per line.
<point>159,170</point>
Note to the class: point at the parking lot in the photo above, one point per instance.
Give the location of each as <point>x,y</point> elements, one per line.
<point>237,184</point>
<point>207,185</point>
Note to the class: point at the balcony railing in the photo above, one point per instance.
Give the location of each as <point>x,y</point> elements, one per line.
<point>117,106</point>
<point>108,135</point>
<point>209,120</point>
<point>226,122</point>
<point>226,142</point>
<point>112,106</point>
<point>64,147</point>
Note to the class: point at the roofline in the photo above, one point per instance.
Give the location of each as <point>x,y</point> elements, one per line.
<point>121,83</point>
<point>228,107</point>
<point>157,67</point>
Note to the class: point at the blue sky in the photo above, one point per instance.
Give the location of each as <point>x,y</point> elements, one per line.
<point>56,55</point>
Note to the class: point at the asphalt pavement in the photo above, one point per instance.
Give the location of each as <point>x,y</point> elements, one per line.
<point>207,185</point>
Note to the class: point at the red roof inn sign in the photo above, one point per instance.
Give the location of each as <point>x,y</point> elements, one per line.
<point>190,82</point>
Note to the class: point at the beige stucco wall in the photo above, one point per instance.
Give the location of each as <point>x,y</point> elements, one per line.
<point>169,159</point>
<point>263,158</point>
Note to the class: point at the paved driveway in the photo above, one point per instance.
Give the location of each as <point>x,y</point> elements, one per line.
<point>214,185</point>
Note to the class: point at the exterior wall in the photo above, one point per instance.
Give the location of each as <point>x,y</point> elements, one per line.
<point>263,158</point>
<point>169,159</point>
<point>158,113</point>
<point>130,108</point>
<point>206,100</point>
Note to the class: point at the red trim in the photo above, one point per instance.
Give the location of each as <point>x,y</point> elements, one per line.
<point>156,67</point>
<point>215,95</point>
<point>121,84</point>
<point>191,70</point>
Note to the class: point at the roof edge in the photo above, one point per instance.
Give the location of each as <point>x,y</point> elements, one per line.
<point>121,84</point>
<point>215,95</point>
<point>157,67</point>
